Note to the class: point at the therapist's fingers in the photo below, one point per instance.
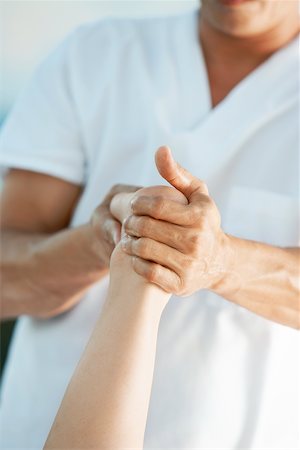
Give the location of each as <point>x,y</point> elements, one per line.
<point>162,208</point>
<point>105,227</point>
<point>157,274</point>
<point>153,251</point>
<point>110,224</point>
<point>176,175</point>
<point>167,233</point>
<point>118,189</point>
<point>120,205</point>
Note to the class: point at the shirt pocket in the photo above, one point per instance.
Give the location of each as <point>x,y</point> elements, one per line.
<point>263,216</point>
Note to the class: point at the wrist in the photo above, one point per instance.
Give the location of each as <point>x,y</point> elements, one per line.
<point>225,281</point>
<point>94,245</point>
<point>126,283</point>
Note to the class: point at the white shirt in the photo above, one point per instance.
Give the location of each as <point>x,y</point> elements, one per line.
<point>94,114</point>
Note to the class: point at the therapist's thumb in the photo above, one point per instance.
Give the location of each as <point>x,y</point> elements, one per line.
<point>176,175</point>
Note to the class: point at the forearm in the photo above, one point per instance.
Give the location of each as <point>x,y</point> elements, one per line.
<point>186,243</point>
<point>263,279</point>
<point>40,272</point>
<point>106,403</point>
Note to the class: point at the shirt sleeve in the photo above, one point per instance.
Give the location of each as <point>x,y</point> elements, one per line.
<point>42,132</point>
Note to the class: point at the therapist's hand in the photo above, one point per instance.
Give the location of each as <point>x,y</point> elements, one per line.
<point>182,248</point>
<point>121,270</point>
<point>106,229</point>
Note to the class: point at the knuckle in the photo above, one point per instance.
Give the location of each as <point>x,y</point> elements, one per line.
<point>203,207</point>
<point>142,247</point>
<point>158,203</point>
<point>176,235</point>
<point>130,225</point>
<point>195,213</point>
<point>152,272</point>
<point>142,225</point>
<point>195,240</point>
<point>137,202</point>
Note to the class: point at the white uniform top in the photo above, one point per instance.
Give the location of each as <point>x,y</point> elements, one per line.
<point>95,112</point>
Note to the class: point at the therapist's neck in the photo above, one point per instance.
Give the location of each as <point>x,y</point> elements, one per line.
<point>254,49</point>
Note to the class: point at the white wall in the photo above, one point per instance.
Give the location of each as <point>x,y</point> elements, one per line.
<point>29,29</point>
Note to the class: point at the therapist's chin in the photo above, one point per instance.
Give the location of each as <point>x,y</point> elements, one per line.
<point>236,18</point>
<point>235,2</point>
<point>235,6</point>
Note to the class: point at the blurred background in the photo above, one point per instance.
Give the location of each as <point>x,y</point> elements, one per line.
<point>30,29</point>
<point>28,32</point>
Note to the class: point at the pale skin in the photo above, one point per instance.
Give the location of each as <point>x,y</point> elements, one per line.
<point>106,403</point>
<point>38,248</point>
